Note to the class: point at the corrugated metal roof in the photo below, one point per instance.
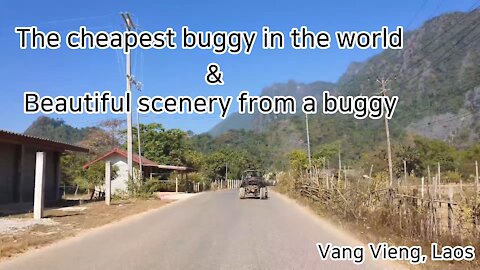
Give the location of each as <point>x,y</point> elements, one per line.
<point>18,138</point>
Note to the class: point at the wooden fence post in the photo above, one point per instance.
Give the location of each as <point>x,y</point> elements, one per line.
<point>461,185</point>
<point>423,182</point>
<point>438,167</point>
<point>450,211</point>
<point>429,180</point>
<point>339,167</point>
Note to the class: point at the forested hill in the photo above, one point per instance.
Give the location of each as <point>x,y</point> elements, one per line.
<point>436,76</point>
<point>58,130</point>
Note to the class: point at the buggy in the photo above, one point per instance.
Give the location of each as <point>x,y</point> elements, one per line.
<point>253,185</point>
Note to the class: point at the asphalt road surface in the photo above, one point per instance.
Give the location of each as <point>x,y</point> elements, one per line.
<point>214,230</point>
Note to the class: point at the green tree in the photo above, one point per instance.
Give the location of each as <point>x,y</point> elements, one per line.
<point>298,160</point>
<point>94,177</point>
<point>411,155</point>
<point>163,146</point>
<point>433,151</point>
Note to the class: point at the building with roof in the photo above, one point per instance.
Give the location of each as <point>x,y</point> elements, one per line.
<point>19,167</point>
<point>118,158</point>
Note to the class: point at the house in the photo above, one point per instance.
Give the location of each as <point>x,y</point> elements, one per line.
<point>118,158</point>
<point>18,160</point>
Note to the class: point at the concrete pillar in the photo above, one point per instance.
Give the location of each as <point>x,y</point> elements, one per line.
<point>40,166</point>
<point>108,182</point>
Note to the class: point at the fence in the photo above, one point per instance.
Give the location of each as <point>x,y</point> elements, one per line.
<point>426,211</point>
<point>227,184</point>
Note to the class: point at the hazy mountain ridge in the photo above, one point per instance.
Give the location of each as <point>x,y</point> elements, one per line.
<point>258,122</point>
<point>435,75</point>
<point>57,130</point>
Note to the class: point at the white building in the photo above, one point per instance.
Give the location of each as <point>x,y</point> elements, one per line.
<point>118,158</point>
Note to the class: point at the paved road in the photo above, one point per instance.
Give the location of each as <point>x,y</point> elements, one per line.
<point>214,230</point>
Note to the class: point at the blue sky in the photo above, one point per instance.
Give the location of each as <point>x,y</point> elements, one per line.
<point>178,72</point>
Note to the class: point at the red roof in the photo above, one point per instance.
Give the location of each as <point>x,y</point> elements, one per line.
<point>136,159</point>
<point>123,153</point>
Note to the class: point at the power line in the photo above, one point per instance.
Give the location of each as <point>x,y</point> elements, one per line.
<point>447,54</point>
<point>442,34</point>
<point>417,13</point>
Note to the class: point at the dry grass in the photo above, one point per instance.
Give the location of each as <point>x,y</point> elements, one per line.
<point>71,223</point>
<point>380,223</point>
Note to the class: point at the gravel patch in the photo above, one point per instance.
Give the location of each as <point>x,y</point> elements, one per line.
<point>72,209</point>
<point>14,225</point>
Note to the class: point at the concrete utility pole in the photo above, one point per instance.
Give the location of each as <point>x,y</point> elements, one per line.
<point>130,26</point>
<point>139,146</point>
<point>308,143</point>
<point>383,83</point>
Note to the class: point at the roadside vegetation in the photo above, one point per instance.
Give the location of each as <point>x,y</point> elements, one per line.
<point>409,211</point>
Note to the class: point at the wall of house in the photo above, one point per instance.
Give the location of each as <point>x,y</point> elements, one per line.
<point>17,174</point>
<point>7,172</point>
<point>119,184</point>
<point>28,180</point>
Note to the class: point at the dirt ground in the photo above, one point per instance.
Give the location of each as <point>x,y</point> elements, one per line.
<point>70,221</point>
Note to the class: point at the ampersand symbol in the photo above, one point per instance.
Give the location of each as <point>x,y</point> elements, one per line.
<point>214,75</point>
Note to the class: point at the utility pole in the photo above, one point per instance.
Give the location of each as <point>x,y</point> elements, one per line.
<point>308,143</point>
<point>130,26</point>
<point>383,83</point>
<point>139,146</point>
<point>476,182</point>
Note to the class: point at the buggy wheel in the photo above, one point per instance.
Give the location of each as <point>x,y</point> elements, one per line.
<point>262,193</point>
<point>241,193</point>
